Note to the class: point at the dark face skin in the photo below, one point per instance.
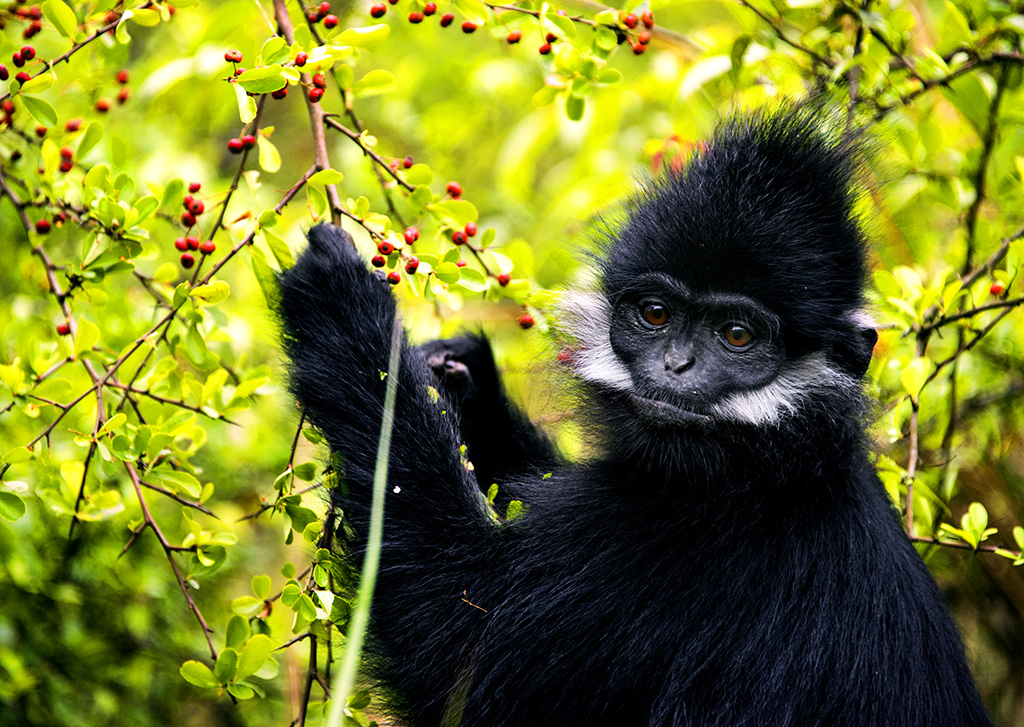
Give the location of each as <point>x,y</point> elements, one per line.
<point>686,351</point>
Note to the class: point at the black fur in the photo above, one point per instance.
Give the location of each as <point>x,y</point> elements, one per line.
<point>728,575</point>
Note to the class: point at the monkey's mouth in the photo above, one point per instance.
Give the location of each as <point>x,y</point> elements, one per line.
<point>666,413</point>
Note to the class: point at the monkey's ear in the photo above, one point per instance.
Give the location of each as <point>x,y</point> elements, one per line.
<point>853,351</point>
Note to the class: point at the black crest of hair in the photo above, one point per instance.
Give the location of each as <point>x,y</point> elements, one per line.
<point>728,558</point>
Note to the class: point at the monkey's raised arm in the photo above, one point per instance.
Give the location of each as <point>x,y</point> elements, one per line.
<point>337,318</point>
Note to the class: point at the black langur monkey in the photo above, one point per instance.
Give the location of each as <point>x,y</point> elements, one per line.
<point>729,557</point>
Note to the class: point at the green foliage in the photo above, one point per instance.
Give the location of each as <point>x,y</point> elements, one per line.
<point>161,501</point>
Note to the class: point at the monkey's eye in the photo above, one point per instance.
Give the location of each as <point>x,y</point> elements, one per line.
<point>737,336</point>
<point>655,313</point>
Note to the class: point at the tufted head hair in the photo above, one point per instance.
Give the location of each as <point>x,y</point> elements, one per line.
<point>765,208</point>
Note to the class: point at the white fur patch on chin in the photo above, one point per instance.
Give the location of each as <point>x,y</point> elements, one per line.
<point>588,319</point>
<point>782,397</point>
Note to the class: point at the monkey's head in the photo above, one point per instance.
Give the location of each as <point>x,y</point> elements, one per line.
<point>732,292</point>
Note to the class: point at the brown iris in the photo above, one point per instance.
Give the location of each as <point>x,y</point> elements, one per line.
<point>738,336</point>
<point>655,314</point>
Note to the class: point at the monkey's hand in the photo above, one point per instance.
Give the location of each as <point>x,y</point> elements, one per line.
<point>501,440</point>
<point>337,318</point>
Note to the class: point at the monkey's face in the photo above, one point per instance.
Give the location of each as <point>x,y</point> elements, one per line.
<point>688,353</point>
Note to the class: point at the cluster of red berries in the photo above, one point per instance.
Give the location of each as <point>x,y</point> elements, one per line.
<point>34,15</point>
<point>190,243</point>
<point>461,237</point>
<point>19,58</point>
<point>238,145</point>
<point>323,12</point>
<point>631,21</point>
<point>397,164</point>
<point>122,81</point>
<point>378,9</point>
<point>67,159</point>
<point>193,207</point>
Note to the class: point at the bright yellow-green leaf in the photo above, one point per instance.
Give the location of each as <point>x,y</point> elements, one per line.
<point>87,336</point>
<point>211,293</point>
<point>269,157</point>
<point>41,110</point>
<point>61,17</point>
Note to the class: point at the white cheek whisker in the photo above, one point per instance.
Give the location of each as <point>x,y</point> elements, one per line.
<point>783,396</point>
<point>588,319</point>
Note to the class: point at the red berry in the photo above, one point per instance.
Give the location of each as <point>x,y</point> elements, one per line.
<point>4,73</point>
<point>430,8</point>
<point>544,49</point>
<point>377,10</point>
<point>470,229</point>
<point>385,248</point>
<point>394,278</point>
<point>103,105</point>
<point>411,235</point>
<point>325,8</point>
<point>194,187</point>
<point>279,93</point>
<point>40,131</point>
<point>411,265</point>
<point>196,207</point>
<point>630,20</point>
<point>504,279</point>
<point>207,248</point>
<point>526,321</point>
<point>468,26</point>
<point>42,226</point>
<point>63,329</point>
<point>996,289</point>
<point>643,37</point>
<point>447,19</point>
<point>514,37</point>
<point>123,94</point>
<point>248,141</point>
<point>122,76</point>
<point>378,261</point>
<point>331,22</point>
<point>319,81</point>
<point>188,219</point>
<point>313,17</point>
<point>459,237</point>
<point>460,264</point>
<point>7,106</point>
<point>23,77</point>
<point>407,162</point>
<point>187,260</point>
<point>235,146</point>
<point>35,12</point>
<point>192,242</point>
<point>32,30</point>
<point>66,165</point>
<point>454,189</point>
<point>647,17</point>
<point>180,244</point>
<point>393,2</point>
<point>233,56</point>
<point>67,152</point>
<point>73,125</point>
<point>301,57</point>
<point>17,59</point>
<point>28,52</point>
<point>315,94</point>
<point>415,17</point>
<point>551,38</point>
<point>638,49</point>
<point>239,71</point>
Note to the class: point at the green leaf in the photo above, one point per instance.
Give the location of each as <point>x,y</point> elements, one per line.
<point>246,104</point>
<point>87,336</point>
<point>224,669</point>
<point>247,606</point>
<point>61,17</point>
<point>197,673</point>
<point>914,375</point>
<point>366,37</point>
<point>472,279</point>
<point>176,481</point>
<point>279,249</point>
<point>211,293</point>
<point>325,177</point>
<point>264,276</point>
<point>275,50</point>
<point>261,586</point>
<point>12,507</point>
<point>447,272</point>
<point>262,80</point>
<point>269,157</point>
<point>374,83</point>
<point>574,107</point>
<point>38,84</point>
<point>253,656</point>
<point>237,632</point>
<point>41,111</point>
